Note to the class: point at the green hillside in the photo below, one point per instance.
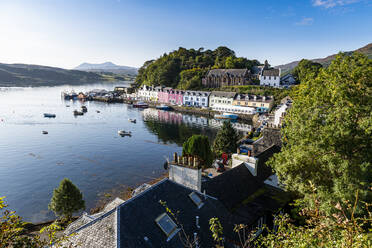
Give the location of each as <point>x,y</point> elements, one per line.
<point>367,50</point>
<point>184,68</point>
<point>23,75</point>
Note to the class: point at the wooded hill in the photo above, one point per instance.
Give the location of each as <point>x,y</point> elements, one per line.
<point>367,50</point>
<point>185,68</point>
<point>24,75</point>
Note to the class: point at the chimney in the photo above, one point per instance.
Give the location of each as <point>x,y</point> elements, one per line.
<point>179,160</point>
<point>238,150</point>
<point>185,174</point>
<point>190,161</point>
<point>196,162</point>
<point>197,222</point>
<point>175,157</point>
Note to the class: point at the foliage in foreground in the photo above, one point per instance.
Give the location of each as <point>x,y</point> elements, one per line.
<point>226,139</point>
<point>339,230</point>
<point>198,145</point>
<point>13,231</point>
<point>66,199</point>
<point>327,135</point>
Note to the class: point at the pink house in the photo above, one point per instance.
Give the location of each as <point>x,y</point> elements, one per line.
<point>164,95</point>
<point>176,96</point>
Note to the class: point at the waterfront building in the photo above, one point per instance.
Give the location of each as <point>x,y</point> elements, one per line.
<point>223,102</point>
<point>196,98</point>
<point>260,103</point>
<point>144,92</point>
<point>176,96</point>
<point>217,78</point>
<point>163,95</point>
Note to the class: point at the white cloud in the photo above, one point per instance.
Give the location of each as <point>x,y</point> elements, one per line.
<point>306,21</point>
<point>332,3</point>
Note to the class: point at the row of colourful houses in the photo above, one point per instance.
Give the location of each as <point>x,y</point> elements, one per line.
<point>216,100</point>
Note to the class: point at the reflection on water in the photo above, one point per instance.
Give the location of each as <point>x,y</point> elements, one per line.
<point>177,127</point>
<point>86,149</point>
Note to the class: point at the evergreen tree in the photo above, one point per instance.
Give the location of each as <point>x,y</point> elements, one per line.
<point>327,135</point>
<point>226,139</point>
<point>198,145</point>
<point>66,199</point>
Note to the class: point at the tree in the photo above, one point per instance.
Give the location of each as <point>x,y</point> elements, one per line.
<point>66,199</point>
<point>306,70</point>
<point>342,229</point>
<point>226,139</point>
<point>198,145</point>
<point>13,231</point>
<point>327,135</point>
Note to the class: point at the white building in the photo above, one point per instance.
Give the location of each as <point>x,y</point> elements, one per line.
<point>144,92</point>
<point>223,102</point>
<point>270,77</point>
<point>280,112</point>
<point>196,98</point>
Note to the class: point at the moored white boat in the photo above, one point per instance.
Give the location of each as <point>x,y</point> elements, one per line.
<point>132,120</point>
<point>140,105</point>
<point>124,133</point>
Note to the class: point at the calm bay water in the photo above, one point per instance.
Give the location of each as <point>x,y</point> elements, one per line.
<point>85,149</point>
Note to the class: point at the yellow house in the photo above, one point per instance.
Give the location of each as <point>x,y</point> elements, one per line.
<point>261,103</point>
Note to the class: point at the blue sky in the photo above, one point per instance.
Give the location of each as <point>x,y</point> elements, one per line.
<point>129,32</point>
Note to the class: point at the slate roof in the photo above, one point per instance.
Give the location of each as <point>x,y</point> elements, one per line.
<point>197,93</point>
<point>233,186</point>
<point>263,170</point>
<point>247,97</point>
<point>227,72</point>
<point>223,94</point>
<point>270,137</point>
<point>271,72</point>
<point>96,234</point>
<point>136,217</point>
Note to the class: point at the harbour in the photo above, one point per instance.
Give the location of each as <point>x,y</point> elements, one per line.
<point>87,149</point>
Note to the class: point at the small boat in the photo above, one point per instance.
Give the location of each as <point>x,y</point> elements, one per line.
<point>226,116</point>
<point>45,132</point>
<point>124,133</point>
<point>163,107</point>
<point>140,105</point>
<point>98,111</point>
<point>77,112</point>
<point>84,109</point>
<point>67,106</point>
<point>132,120</point>
<point>47,115</point>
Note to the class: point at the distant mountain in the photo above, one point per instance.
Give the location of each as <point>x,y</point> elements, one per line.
<point>108,67</point>
<point>367,50</point>
<point>24,75</point>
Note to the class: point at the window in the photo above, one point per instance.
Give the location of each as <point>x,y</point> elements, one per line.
<point>186,98</point>
<point>167,225</point>
<point>264,77</point>
<point>274,77</point>
<point>269,77</point>
<point>196,199</point>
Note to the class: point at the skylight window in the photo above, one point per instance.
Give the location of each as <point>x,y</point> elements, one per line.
<point>167,225</point>
<point>196,199</point>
